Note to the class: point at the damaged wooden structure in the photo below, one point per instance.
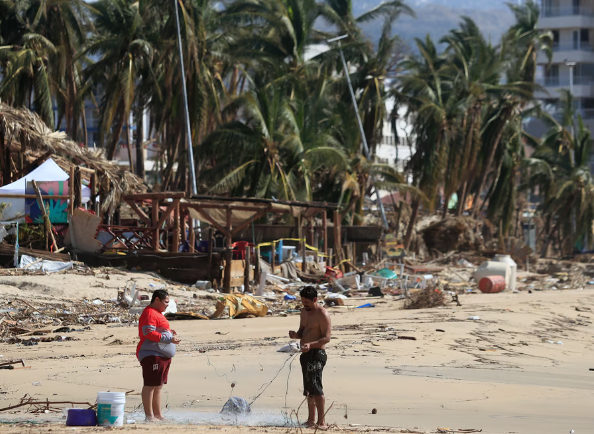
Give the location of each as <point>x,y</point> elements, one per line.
<point>26,142</point>
<point>167,220</point>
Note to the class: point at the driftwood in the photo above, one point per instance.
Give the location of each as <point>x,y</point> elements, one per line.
<point>43,406</point>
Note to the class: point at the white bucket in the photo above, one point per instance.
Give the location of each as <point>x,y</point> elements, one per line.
<point>110,408</point>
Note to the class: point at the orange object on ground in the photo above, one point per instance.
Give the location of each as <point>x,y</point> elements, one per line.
<point>492,284</point>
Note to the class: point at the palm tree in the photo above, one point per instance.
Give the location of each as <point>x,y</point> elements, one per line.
<point>124,51</point>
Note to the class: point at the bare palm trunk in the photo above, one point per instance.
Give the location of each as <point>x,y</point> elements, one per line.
<point>117,132</point>
<point>488,163</point>
<point>411,223</point>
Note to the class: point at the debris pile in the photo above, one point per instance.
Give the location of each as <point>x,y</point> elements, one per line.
<point>454,233</point>
<point>430,296</point>
<point>30,322</point>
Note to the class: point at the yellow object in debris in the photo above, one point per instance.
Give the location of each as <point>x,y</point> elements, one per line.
<point>240,305</point>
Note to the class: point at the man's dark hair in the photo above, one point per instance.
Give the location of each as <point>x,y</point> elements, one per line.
<point>309,292</point>
<point>161,294</point>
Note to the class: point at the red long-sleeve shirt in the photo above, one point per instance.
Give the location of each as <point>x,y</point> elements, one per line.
<point>155,335</point>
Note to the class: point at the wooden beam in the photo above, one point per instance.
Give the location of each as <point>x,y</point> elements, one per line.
<point>208,205</point>
<point>155,219</point>
<point>210,219</point>
<point>160,195</point>
<point>88,170</point>
<point>229,254</point>
<point>140,212</point>
<point>167,212</point>
<point>46,219</point>
<point>32,196</point>
<point>36,163</point>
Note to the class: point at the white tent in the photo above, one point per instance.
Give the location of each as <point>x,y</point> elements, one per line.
<point>48,171</point>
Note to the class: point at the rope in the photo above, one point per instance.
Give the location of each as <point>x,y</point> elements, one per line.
<point>291,358</point>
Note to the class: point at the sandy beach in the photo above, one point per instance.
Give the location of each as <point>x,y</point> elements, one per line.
<point>522,367</point>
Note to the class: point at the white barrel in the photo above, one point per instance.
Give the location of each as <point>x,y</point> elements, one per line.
<point>506,259</point>
<point>493,268</point>
<point>110,408</point>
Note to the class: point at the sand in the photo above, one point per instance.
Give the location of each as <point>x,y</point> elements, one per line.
<point>523,367</point>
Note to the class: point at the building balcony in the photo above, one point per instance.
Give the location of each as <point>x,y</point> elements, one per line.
<point>583,87</point>
<point>569,53</point>
<point>566,18</point>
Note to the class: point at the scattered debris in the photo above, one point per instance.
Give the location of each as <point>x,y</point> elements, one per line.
<point>430,297</point>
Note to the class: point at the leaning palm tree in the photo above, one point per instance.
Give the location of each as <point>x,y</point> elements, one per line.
<point>560,168</point>
<point>124,51</point>
<point>27,79</point>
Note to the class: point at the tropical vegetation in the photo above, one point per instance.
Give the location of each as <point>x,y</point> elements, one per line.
<point>271,114</point>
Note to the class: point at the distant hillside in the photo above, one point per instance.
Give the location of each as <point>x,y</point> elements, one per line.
<point>438,17</point>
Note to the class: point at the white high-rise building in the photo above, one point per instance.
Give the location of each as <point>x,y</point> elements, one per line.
<point>572,66</point>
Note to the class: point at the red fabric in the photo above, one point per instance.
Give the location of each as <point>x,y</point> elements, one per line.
<point>151,316</point>
<point>155,370</point>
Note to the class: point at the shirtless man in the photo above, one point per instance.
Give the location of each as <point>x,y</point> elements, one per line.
<point>314,332</point>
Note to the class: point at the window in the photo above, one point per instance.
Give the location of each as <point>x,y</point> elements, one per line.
<point>552,76</point>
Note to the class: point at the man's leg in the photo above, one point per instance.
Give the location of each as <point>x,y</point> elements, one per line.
<point>147,402</point>
<point>320,402</point>
<point>157,403</point>
<point>311,407</point>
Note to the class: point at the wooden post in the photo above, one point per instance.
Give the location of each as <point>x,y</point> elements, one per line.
<point>155,218</point>
<point>349,256</point>
<point>175,241</point>
<point>229,255</point>
<point>77,184</point>
<point>247,269</point>
<point>71,191</point>
<point>257,268</point>
<point>93,186</point>
<point>192,237</point>
<point>316,244</point>
<point>329,259</point>
<point>210,250</point>
<point>354,253</point>
<point>325,231</point>
<point>46,219</point>
<point>338,238</point>
<point>272,257</point>
<point>184,225</point>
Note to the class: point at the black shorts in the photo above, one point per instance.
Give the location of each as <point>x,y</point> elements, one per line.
<point>312,365</point>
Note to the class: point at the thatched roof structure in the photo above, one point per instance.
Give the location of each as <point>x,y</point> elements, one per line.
<point>21,130</point>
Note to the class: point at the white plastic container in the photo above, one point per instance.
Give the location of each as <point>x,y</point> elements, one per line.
<point>506,259</point>
<point>493,268</point>
<point>110,408</point>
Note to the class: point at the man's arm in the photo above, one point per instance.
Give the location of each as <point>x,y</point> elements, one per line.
<point>302,324</point>
<point>326,329</point>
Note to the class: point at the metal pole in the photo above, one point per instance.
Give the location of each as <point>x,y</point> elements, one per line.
<point>188,129</point>
<point>363,138</point>
<point>572,151</point>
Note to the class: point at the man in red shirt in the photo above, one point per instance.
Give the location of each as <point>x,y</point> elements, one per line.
<point>154,351</point>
